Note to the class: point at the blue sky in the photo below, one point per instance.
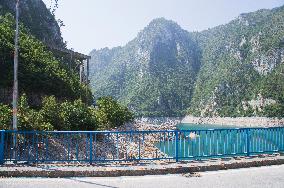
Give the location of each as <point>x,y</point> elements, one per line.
<point>95,24</point>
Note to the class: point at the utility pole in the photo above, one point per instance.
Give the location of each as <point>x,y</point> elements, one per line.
<point>15,87</point>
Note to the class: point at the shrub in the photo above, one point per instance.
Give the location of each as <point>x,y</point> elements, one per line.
<point>274,110</point>
<point>110,113</point>
<point>5,117</point>
<point>76,115</point>
<point>50,111</point>
<point>30,119</point>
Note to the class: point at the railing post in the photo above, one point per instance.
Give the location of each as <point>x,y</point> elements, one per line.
<point>91,148</point>
<point>177,143</point>
<point>2,146</point>
<point>15,146</point>
<point>248,141</point>
<point>139,147</point>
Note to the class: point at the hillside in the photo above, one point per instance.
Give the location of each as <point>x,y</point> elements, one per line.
<point>51,95</point>
<point>41,73</point>
<point>242,67</point>
<point>234,69</point>
<point>37,19</point>
<point>153,74</point>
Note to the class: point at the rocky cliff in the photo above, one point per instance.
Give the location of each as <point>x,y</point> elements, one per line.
<point>234,69</point>
<point>37,19</point>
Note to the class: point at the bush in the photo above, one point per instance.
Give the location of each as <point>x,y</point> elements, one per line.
<point>110,113</point>
<point>76,115</point>
<point>275,110</point>
<point>30,119</point>
<point>5,117</point>
<point>68,115</point>
<point>50,111</point>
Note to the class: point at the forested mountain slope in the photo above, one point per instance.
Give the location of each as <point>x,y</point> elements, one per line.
<point>41,73</point>
<point>234,69</point>
<point>242,66</point>
<point>154,74</point>
<point>37,19</point>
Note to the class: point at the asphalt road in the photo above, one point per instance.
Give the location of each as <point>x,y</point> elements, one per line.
<point>272,176</point>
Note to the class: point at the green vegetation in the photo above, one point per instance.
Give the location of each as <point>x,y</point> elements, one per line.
<point>52,98</point>
<point>68,115</point>
<point>30,119</point>
<point>166,71</point>
<point>38,20</point>
<point>76,115</point>
<point>240,60</point>
<point>5,116</point>
<point>111,114</point>
<point>39,71</point>
<point>153,75</point>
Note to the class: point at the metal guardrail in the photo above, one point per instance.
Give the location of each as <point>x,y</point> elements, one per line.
<point>2,135</point>
<point>104,146</point>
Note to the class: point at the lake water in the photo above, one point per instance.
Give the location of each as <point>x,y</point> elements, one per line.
<point>202,141</point>
<point>188,126</point>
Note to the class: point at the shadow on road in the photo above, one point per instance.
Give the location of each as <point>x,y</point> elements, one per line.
<point>89,182</point>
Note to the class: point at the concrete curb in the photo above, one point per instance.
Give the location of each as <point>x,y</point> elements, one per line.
<point>162,170</point>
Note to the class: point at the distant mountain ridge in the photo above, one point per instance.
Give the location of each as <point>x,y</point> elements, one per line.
<point>136,73</point>
<point>234,69</point>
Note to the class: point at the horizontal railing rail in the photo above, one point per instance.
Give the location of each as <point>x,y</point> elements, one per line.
<point>105,146</point>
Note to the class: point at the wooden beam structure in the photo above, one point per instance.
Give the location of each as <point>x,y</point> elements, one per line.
<point>82,58</point>
<point>76,55</point>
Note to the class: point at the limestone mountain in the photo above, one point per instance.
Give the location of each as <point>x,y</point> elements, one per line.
<point>37,19</point>
<point>242,67</point>
<point>153,74</point>
<point>234,69</point>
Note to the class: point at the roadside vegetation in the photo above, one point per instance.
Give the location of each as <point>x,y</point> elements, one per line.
<point>68,115</point>
<point>61,102</point>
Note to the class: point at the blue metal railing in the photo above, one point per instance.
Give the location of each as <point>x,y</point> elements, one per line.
<point>1,146</point>
<point>103,146</point>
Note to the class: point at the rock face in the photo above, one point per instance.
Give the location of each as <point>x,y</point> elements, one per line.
<point>153,73</point>
<point>166,70</point>
<point>241,60</point>
<point>37,18</point>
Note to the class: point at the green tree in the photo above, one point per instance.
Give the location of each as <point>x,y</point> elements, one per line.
<point>40,72</point>
<point>50,111</point>
<point>77,116</point>
<point>111,114</point>
<point>30,119</point>
<point>5,117</point>
<point>275,110</point>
